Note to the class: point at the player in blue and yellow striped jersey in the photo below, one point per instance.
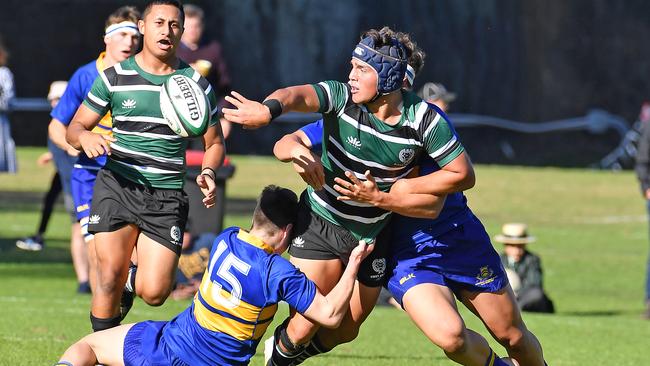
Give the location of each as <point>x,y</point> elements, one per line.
<point>122,39</point>
<point>238,297</point>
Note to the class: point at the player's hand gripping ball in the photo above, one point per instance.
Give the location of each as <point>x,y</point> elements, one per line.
<point>184,106</point>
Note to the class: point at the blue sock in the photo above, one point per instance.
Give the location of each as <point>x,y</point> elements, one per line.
<point>494,360</point>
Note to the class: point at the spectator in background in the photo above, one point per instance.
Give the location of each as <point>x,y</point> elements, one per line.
<point>36,242</point>
<point>205,56</point>
<point>437,94</point>
<point>524,269</point>
<point>642,168</point>
<point>7,146</point>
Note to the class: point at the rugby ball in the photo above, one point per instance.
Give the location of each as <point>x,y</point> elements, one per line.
<point>184,106</point>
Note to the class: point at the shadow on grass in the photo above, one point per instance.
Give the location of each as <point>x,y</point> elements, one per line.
<point>597,313</point>
<point>401,358</point>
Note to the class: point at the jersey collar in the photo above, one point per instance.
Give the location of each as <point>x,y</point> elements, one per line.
<point>100,61</point>
<point>254,241</point>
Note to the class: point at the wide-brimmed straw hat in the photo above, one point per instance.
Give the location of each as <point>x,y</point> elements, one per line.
<point>514,233</point>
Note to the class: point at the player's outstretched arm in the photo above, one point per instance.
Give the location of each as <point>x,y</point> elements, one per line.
<point>329,310</point>
<point>296,148</point>
<point>400,199</point>
<point>252,114</point>
<point>80,137</point>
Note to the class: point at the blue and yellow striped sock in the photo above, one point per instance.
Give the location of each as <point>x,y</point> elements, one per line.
<point>494,360</point>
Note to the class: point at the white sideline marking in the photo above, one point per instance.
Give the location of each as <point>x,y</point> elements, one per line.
<point>39,339</point>
<point>613,219</point>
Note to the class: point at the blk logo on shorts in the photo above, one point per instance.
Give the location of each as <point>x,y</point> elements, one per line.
<point>94,219</point>
<point>298,242</point>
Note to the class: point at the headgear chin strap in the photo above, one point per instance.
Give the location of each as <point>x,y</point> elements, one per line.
<point>389,61</point>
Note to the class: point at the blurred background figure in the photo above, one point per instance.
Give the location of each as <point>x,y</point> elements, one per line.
<point>436,93</point>
<point>524,269</point>
<point>642,168</point>
<point>205,56</point>
<point>36,241</point>
<point>7,93</point>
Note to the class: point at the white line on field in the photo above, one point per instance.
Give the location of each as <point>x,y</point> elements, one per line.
<point>620,219</point>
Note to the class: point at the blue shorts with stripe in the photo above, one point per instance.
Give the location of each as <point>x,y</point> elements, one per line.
<point>461,259</point>
<point>83,183</point>
<point>145,345</point>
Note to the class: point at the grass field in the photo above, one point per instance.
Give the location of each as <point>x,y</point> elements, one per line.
<point>592,235</point>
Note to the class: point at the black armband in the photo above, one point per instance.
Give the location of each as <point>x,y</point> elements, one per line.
<point>275,107</point>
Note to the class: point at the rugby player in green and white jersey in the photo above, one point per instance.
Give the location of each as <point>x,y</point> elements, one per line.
<point>139,199</point>
<point>371,128</point>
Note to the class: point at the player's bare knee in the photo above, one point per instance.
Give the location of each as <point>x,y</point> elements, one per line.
<point>154,298</point>
<point>301,332</point>
<point>452,341</point>
<point>348,332</point>
<point>511,338</point>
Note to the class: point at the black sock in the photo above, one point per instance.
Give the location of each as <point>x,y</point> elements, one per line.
<point>103,323</point>
<point>281,357</point>
<point>313,348</point>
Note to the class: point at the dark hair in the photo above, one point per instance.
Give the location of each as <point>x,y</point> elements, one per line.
<point>276,208</point>
<point>417,55</point>
<point>125,13</point>
<point>193,11</point>
<point>174,3</point>
<point>385,36</point>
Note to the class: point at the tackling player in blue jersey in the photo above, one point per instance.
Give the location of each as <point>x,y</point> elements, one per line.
<point>236,302</point>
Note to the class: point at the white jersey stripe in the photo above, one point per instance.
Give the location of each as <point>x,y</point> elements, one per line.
<point>147,169</point>
<point>362,161</point>
<point>102,74</point>
<point>145,119</point>
<point>422,109</point>
<point>363,177</point>
<point>148,134</point>
<point>433,124</point>
<point>366,129</point>
<point>330,105</point>
<point>443,149</point>
<point>95,99</point>
<point>360,219</point>
<point>351,203</point>
<point>117,147</point>
<point>121,71</point>
<point>122,88</point>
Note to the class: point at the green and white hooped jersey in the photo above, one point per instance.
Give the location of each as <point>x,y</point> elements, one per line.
<point>147,151</point>
<point>355,140</point>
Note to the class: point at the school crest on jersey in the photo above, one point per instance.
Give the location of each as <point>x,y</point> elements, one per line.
<point>406,155</point>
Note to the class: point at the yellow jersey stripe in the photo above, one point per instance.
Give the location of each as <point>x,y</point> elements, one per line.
<point>245,311</point>
<point>218,323</point>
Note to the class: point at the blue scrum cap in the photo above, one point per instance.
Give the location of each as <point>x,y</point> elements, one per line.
<point>389,61</point>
